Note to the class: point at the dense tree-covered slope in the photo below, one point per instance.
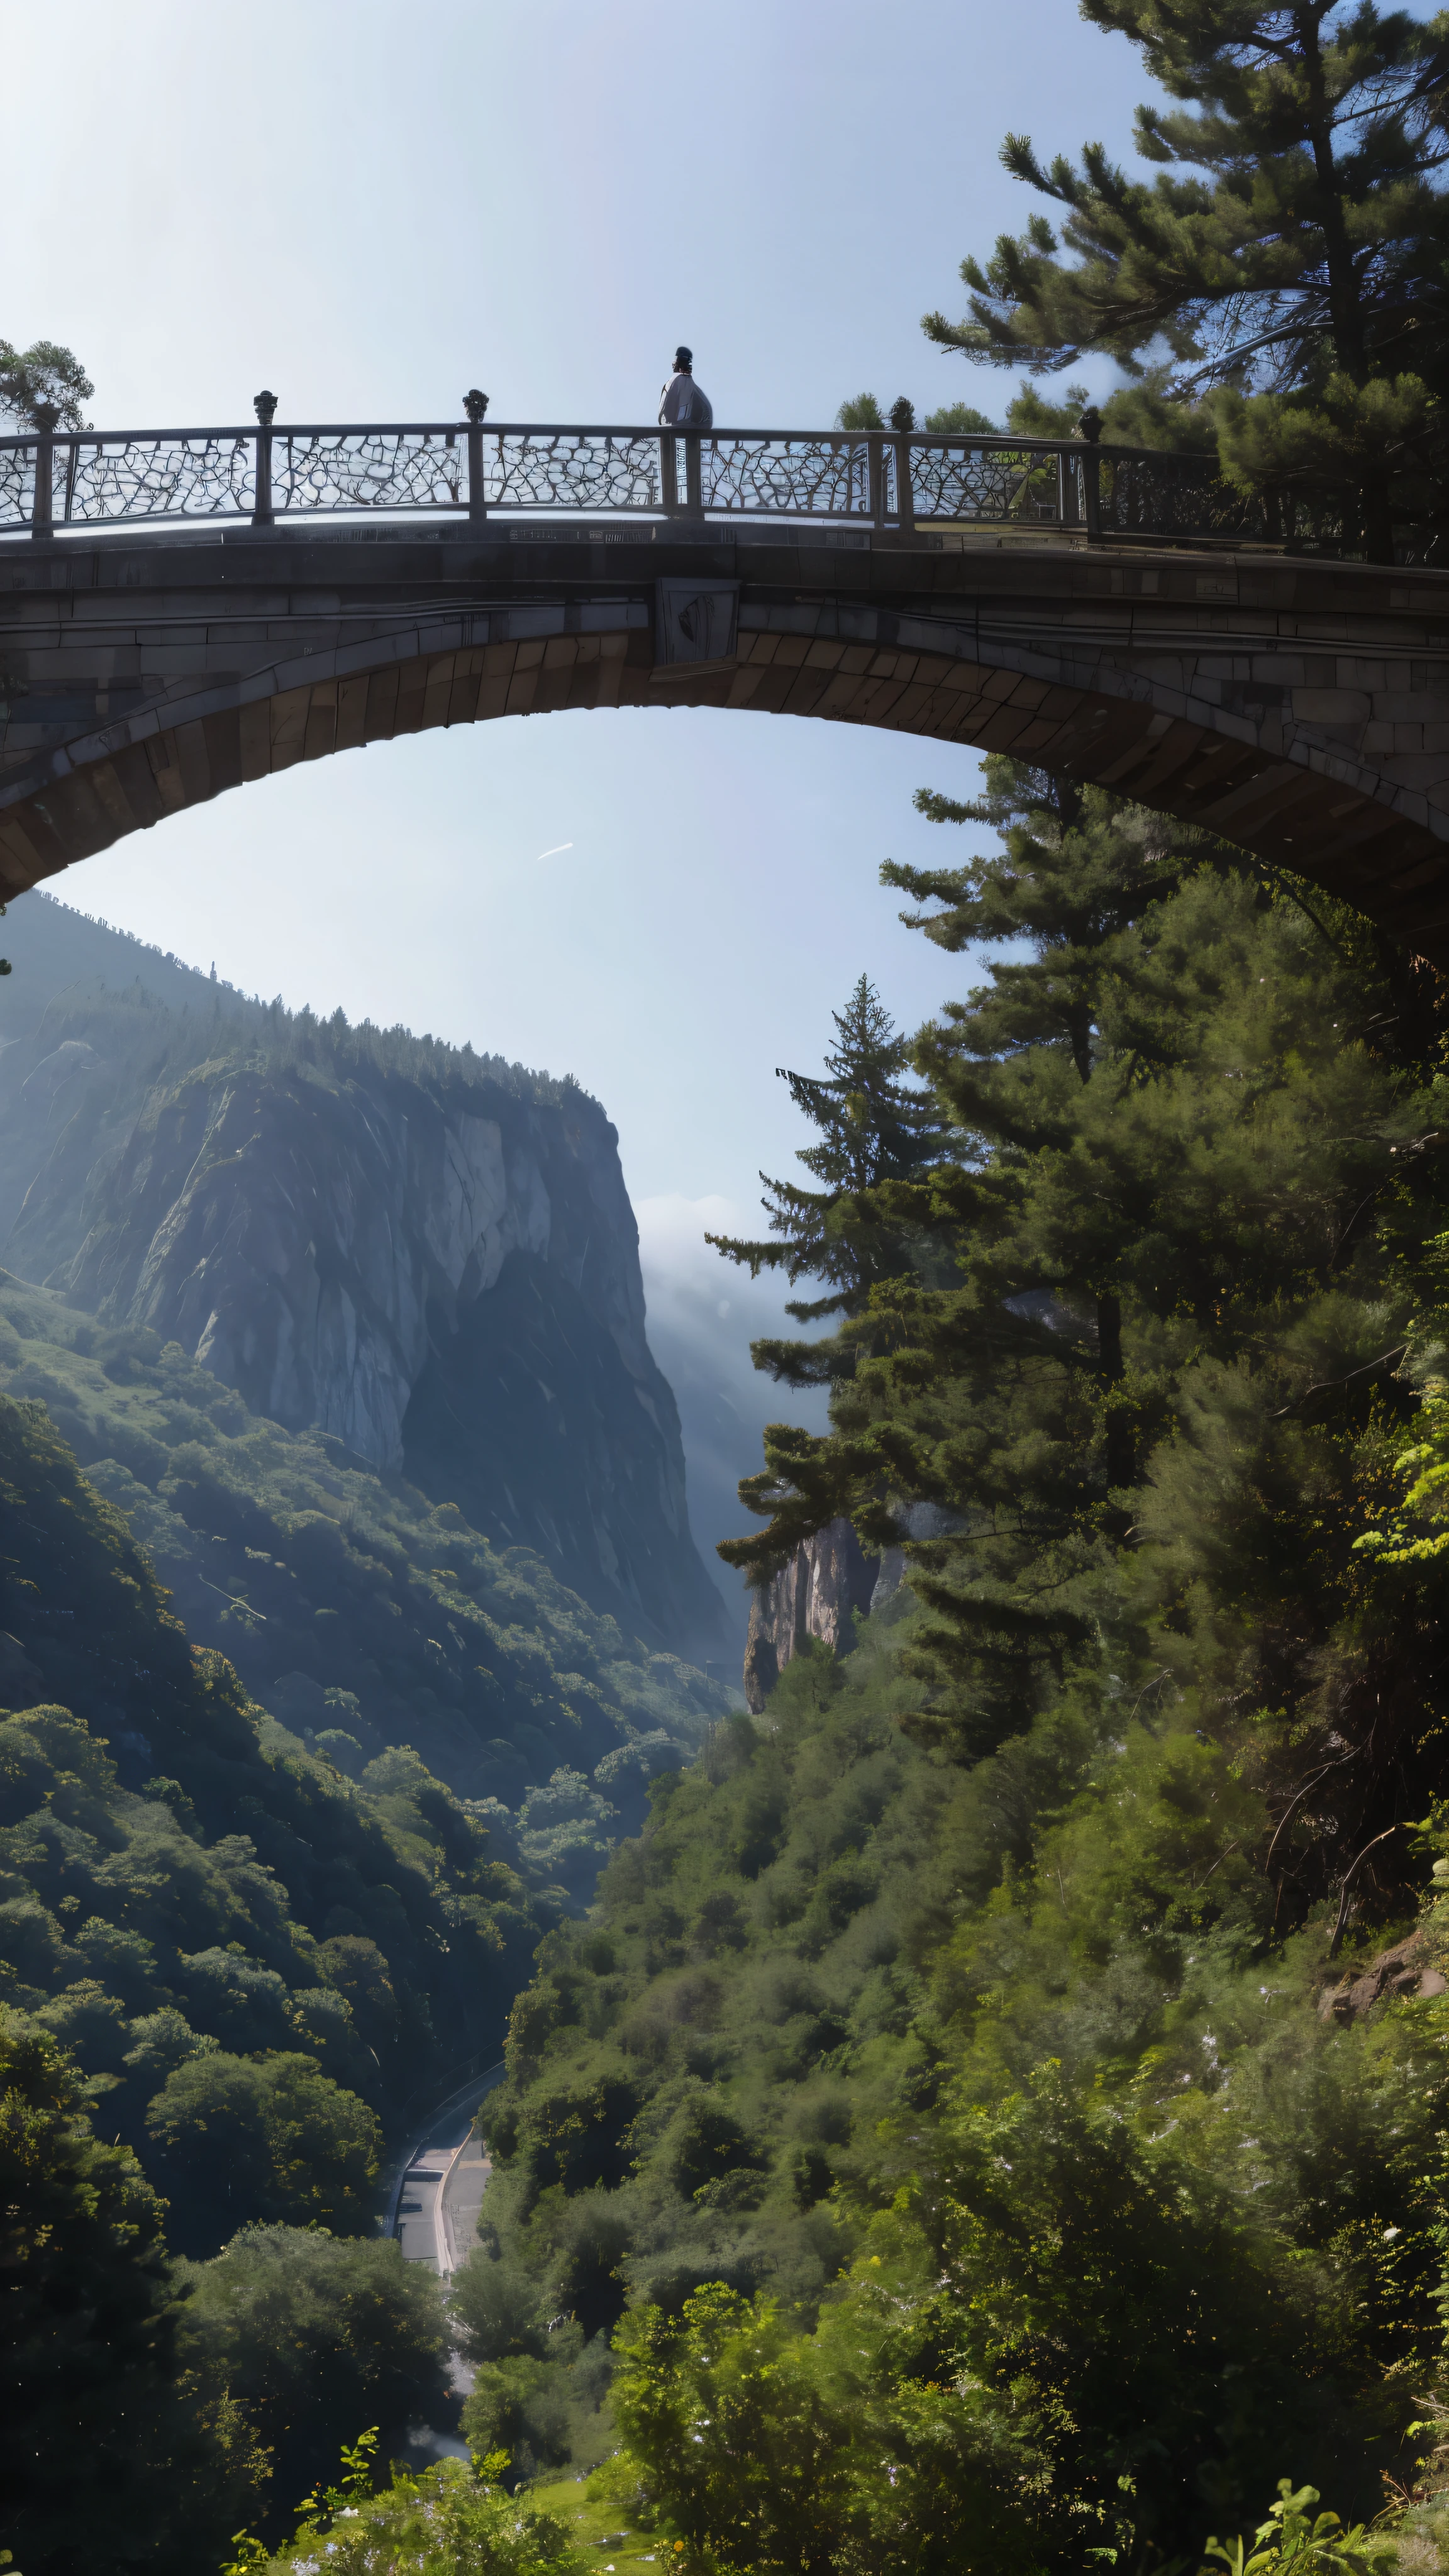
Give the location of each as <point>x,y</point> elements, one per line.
<point>993,2022</point>
<point>351,1607</point>
<point>90,2371</point>
<point>241,1946</point>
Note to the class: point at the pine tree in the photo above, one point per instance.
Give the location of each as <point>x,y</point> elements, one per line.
<point>1188,1193</point>
<point>1289,258</point>
<point>874,1128</point>
<point>862,411</point>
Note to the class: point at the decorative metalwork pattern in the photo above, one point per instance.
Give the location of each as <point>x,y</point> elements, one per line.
<point>1159,495</point>
<point>574,469</point>
<point>369,469</point>
<point>1164,495</point>
<point>200,474</point>
<point>17,483</point>
<point>792,476</point>
<point>880,478</point>
<point>959,478</point>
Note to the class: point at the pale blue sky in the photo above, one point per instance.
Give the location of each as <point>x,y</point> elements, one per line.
<point>369,207</point>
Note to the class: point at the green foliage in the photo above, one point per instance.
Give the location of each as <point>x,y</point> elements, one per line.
<point>452,2521</point>
<point>860,411</point>
<point>1295,2537</point>
<point>43,373</point>
<point>310,2331</point>
<point>951,2093</point>
<point>1184,1224</point>
<point>88,2364</point>
<point>678,2111</point>
<point>348,1604</point>
<point>1288,252</point>
<point>269,2134</point>
<point>961,416</point>
<point>198,1942</point>
<point>874,1128</point>
<point>563,1831</point>
<point>863,412</point>
<point>719,2409</point>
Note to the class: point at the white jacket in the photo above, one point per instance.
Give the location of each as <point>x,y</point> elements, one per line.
<point>683,406</point>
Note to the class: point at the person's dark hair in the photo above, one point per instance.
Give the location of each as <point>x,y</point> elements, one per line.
<point>684,358</point>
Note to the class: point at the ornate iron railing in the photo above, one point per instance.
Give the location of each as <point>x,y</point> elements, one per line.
<point>53,481</point>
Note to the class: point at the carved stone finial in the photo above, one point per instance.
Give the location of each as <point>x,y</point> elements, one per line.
<point>475,404</point>
<point>45,415</point>
<point>1089,426</point>
<point>265,407</point>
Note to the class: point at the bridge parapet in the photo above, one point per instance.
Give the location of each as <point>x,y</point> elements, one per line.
<point>57,482</point>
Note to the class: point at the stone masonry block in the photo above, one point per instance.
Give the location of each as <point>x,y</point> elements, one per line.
<point>1407,706</point>
<point>1422,769</point>
<point>1334,706</point>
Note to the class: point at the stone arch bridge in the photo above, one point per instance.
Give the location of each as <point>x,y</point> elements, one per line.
<point>181,612</point>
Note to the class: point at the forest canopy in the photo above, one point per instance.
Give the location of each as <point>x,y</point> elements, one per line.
<point>998,2098</point>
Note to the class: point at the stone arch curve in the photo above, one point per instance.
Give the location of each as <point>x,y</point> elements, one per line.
<point>1299,708</point>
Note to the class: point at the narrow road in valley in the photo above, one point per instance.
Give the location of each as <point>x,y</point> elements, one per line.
<point>440,2184</point>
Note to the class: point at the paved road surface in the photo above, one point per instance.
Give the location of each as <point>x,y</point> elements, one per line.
<point>443,2185</point>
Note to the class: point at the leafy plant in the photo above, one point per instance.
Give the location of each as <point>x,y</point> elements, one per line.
<point>1295,2538</point>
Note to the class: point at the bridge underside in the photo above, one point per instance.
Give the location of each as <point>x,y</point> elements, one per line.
<point>1299,709</point>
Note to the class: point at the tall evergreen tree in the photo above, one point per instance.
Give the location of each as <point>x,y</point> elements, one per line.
<point>1194,1189</point>
<point>1287,262</point>
<point>874,1128</point>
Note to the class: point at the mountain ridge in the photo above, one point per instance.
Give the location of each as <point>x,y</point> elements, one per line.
<point>344,1225</point>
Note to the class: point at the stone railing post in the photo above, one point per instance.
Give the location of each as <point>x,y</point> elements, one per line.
<point>42,515</point>
<point>905,491</point>
<point>265,407</point>
<point>1089,430</point>
<point>475,405</point>
<point>668,474</point>
<point>693,475</point>
<point>1069,490</point>
<point>875,481</point>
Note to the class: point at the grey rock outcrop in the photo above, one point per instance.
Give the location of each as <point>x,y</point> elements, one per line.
<point>828,1578</point>
<point>428,1255</point>
<point>303,1235</point>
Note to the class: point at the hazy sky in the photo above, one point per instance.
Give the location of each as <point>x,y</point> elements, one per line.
<point>369,207</point>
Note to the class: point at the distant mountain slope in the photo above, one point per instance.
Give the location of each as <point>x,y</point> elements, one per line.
<point>429,1254</point>
<point>351,1606</point>
<point>182,1881</point>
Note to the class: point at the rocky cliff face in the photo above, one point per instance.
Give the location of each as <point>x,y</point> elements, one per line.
<point>817,1594</point>
<point>429,1255</point>
<point>827,1579</point>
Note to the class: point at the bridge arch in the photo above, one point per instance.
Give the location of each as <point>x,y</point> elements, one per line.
<point>1299,708</point>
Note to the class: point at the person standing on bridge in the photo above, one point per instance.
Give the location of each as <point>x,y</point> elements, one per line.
<point>682,405</point>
